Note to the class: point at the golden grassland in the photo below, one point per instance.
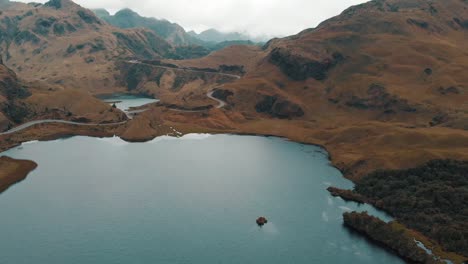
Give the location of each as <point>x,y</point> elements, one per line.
<point>13,171</point>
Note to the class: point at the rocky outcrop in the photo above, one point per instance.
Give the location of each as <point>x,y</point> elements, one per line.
<point>379,99</point>
<point>12,90</point>
<point>278,107</point>
<point>347,195</point>
<point>222,94</point>
<point>300,68</point>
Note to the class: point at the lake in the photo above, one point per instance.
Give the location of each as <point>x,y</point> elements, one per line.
<point>126,101</point>
<point>193,199</point>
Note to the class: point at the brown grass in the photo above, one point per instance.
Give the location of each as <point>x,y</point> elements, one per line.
<point>13,171</point>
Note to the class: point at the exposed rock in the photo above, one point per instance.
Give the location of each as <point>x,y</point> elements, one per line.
<point>379,99</point>
<point>88,17</point>
<point>300,68</point>
<point>57,4</point>
<point>261,221</point>
<point>278,107</point>
<point>419,23</point>
<point>234,69</point>
<point>439,119</point>
<point>462,23</point>
<point>449,90</point>
<point>222,94</point>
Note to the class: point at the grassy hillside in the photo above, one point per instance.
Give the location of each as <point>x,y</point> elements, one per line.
<point>382,85</point>
<point>64,44</point>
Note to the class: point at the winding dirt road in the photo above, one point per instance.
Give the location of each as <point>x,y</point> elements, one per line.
<point>221,102</point>
<point>48,121</point>
<point>184,69</point>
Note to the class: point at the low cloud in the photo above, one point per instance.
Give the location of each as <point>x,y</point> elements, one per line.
<point>256,17</point>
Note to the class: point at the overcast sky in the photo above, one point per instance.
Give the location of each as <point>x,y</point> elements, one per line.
<point>257,17</point>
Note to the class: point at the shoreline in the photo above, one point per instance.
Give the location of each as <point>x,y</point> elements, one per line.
<point>28,166</point>
<point>14,171</point>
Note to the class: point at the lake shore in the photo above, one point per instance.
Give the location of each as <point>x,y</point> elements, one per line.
<point>142,130</point>
<point>13,171</point>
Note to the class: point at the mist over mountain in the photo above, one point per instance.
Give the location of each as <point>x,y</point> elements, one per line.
<point>173,33</point>
<point>127,18</point>
<point>213,35</point>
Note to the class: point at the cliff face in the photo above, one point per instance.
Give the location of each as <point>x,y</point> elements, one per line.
<point>11,91</point>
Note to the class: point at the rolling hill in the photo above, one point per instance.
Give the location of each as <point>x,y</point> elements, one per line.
<point>381,86</point>
<point>67,45</point>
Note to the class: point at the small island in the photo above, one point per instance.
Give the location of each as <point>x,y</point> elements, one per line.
<point>261,221</point>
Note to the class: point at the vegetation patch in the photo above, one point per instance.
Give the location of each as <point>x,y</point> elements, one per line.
<point>391,235</point>
<point>26,36</point>
<point>59,29</point>
<point>135,74</point>
<point>299,68</point>
<point>379,99</point>
<point>419,23</point>
<point>57,4</point>
<point>278,107</point>
<point>431,199</point>
<point>43,25</point>
<point>88,18</point>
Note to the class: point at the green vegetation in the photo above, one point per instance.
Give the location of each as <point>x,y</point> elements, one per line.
<point>71,49</point>
<point>87,17</point>
<point>43,25</point>
<point>391,235</point>
<point>57,4</point>
<point>135,75</point>
<point>59,29</point>
<point>26,36</point>
<point>432,199</point>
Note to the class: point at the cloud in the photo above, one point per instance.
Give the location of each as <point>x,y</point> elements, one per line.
<point>257,17</point>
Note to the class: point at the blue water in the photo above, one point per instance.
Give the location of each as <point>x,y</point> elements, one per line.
<point>189,200</point>
<point>127,101</point>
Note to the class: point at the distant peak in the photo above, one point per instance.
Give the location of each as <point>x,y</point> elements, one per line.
<point>101,12</point>
<point>59,4</point>
<point>126,12</point>
<point>211,30</point>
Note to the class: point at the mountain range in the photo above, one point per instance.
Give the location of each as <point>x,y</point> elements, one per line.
<point>173,33</point>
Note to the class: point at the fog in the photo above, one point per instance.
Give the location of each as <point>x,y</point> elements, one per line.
<point>268,18</point>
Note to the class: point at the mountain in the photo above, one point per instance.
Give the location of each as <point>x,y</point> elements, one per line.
<point>382,85</point>
<point>190,44</point>
<point>126,18</point>
<point>213,35</point>
<point>64,44</point>
<point>21,101</point>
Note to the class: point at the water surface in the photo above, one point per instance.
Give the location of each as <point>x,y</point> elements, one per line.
<point>126,101</point>
<point>188,200</point>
